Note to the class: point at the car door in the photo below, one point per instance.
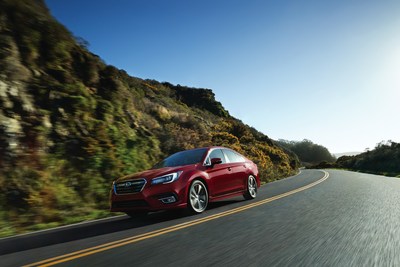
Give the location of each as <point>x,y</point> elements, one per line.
<point>238,169</point>
<point>220,174</point>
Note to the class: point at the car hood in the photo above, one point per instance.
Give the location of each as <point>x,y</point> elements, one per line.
<point>150,174</point>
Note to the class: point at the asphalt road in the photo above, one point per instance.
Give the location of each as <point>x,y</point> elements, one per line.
<point>349,219</point>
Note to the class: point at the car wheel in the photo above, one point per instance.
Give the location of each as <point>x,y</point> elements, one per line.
<point>136,214</point>
<point>251,191</point>
<point>198,197</point>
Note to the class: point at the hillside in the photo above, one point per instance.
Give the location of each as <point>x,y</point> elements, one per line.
<point>70,124</point>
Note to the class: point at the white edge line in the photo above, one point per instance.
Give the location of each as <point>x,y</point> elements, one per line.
<point>61,227</point>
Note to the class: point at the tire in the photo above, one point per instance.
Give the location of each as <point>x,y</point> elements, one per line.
<point>251,192</point>
<point>136,214</point>
<point>198,197</point>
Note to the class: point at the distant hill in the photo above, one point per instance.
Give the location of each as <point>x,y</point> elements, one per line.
<point>307,152</point>
<point>338,155</point>
<point>70,124</point>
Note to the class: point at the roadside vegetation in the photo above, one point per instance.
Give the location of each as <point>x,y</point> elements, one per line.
<point>70,124</point>
<point>384,159</point>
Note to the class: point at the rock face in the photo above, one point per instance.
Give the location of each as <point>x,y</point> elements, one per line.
<point>70,124</point>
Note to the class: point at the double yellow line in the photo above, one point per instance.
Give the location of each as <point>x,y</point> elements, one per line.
<point>137,238</point>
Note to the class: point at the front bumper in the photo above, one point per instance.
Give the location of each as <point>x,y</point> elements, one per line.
<point>151,198</point>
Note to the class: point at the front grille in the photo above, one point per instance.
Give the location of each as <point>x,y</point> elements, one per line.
<point>130,204</point>
<point>129,187</point>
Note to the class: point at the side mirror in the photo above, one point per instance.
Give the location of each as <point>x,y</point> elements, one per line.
<point>215,161</point>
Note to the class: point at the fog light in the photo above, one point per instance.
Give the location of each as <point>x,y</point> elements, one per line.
<point>168,200</point>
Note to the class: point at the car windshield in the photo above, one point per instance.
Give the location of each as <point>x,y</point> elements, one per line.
<point>182,158</point>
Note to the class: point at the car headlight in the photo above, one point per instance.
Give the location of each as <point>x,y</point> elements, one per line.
<point>166,179</point>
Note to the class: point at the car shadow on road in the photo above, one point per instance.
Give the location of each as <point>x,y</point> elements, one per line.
<point>82,231</point>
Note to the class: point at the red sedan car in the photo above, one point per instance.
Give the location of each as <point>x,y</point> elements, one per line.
<point>190,178</point>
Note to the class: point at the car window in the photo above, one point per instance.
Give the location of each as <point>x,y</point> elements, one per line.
<point>217,153</point>
<point>233,156</point>
<point>182,158</point>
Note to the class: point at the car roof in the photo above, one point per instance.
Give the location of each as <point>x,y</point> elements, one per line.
<point>207,147</point>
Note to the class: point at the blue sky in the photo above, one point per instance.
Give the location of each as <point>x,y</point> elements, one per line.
<point>328,71</point>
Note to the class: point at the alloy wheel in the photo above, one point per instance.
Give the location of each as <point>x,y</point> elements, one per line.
<point>198,196</point>
<point>251,192</point>
<point>252,184</point>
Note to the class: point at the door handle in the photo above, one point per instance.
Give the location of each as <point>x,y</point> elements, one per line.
<point>229,168</point>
